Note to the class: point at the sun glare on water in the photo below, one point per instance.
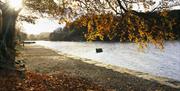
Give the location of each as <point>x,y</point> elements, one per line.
<point>15,4</point>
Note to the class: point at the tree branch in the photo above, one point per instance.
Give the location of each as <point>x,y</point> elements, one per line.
<point>121,6</point>
<point>111,6</point>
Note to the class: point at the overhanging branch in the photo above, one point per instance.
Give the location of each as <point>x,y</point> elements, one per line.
<point>121,6</point>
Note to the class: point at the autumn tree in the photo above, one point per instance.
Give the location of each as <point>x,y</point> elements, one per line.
<point>141,21</point>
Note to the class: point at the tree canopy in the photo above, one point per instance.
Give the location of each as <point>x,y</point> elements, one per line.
<point>140,21</point>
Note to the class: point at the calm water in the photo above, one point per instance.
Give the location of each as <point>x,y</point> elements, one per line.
<point>164,63</point>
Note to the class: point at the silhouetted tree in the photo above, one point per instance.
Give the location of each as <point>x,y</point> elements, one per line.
<point>7,35</point>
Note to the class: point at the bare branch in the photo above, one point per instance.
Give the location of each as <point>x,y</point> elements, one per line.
<point>121,6</point>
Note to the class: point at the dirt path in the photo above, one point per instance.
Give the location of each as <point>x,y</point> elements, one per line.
<point>46,61</point>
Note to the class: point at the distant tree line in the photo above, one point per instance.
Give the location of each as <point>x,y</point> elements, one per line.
<point>68,33</point>
<point>21,36</point>
<point>41,36</point>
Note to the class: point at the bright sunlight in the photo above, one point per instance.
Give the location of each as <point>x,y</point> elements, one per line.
<point>16,4</point>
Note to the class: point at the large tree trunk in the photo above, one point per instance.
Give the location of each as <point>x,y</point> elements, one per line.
<point>7,38</point>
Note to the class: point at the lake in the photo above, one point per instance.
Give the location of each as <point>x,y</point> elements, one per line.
<point>165,63</point>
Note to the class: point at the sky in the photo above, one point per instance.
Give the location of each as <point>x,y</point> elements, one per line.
<point>41,25</point>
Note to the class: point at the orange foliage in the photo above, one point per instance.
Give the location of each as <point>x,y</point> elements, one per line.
<point>128,27</point>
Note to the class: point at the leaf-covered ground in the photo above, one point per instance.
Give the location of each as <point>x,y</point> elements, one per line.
<point>11,81</point>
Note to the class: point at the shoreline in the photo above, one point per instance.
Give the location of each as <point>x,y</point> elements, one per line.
<point>163,80</point>
<point>93,64</point>
<point>164,63</point>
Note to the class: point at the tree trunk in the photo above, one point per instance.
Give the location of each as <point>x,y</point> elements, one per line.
<point>7,38</point>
